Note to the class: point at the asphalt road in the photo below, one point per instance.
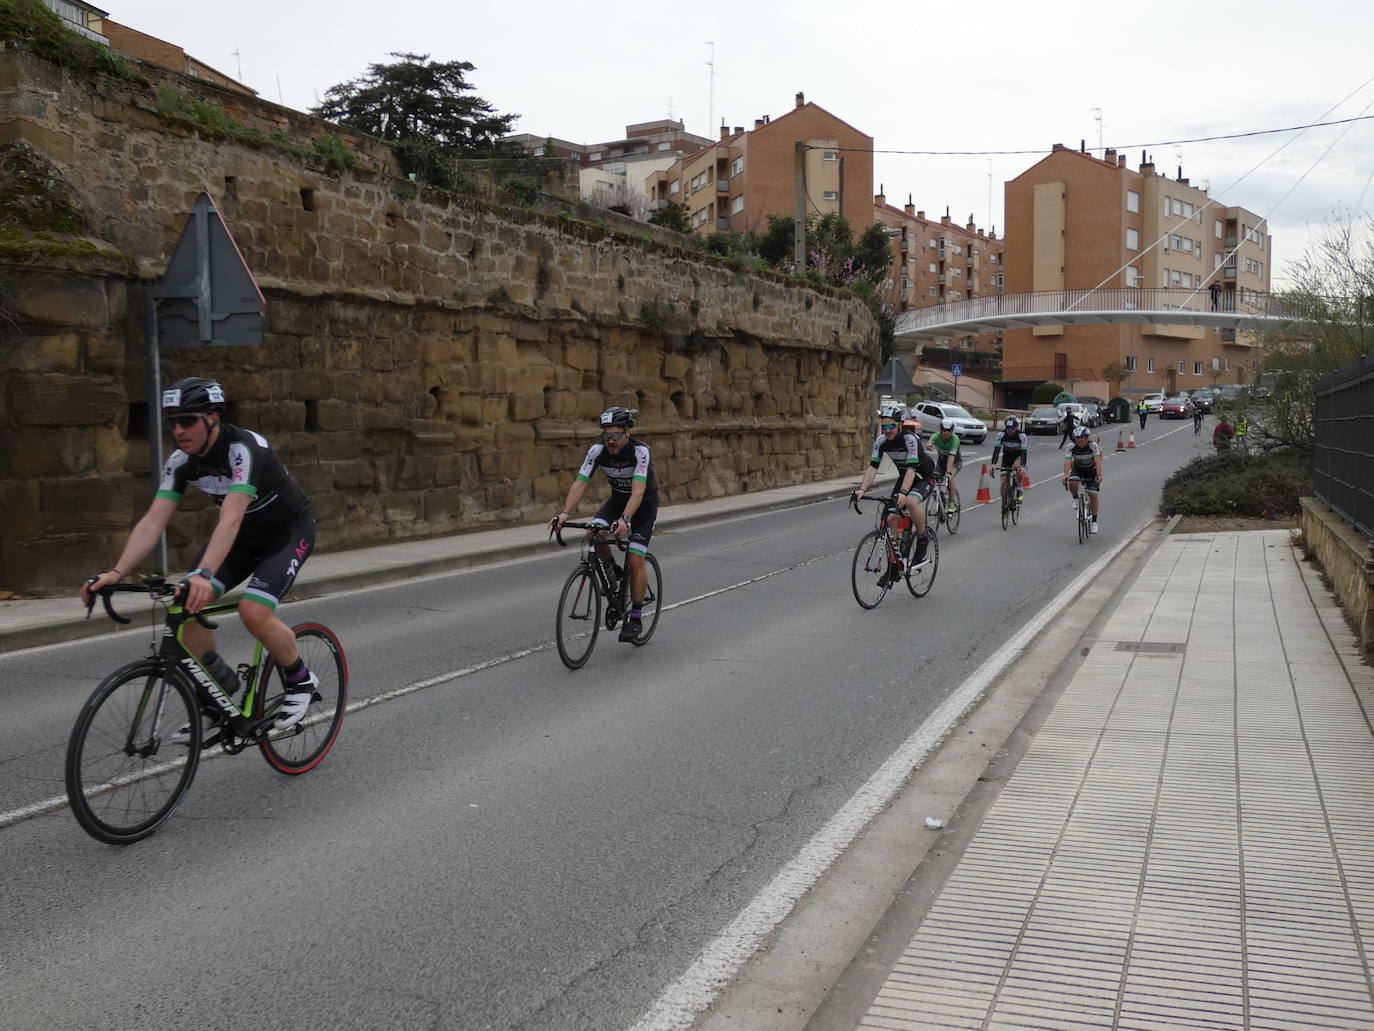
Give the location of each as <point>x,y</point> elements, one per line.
<point>517,846</point>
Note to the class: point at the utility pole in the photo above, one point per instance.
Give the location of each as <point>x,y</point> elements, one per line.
<point>711,78</point>
<point>799,219</point>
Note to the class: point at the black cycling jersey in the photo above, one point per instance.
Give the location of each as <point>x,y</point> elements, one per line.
<point>623,469</point>
<point>1085,459</point>
<point>238,462</point>
<point>1011,446</point>
<point>906,452</point>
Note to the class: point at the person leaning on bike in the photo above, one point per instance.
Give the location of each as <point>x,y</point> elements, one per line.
<point>1222,434</point>
<point>1083,470</point>
<point>948,459</point>
<point>1012,446</point>
<point>632,507</point>
<point>265,529</point>
<point>915,473</point>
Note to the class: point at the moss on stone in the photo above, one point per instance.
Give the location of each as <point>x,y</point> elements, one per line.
<point>30,24</point>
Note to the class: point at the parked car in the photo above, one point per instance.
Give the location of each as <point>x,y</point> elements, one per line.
<point>1072,406</point>
<point>1092,414</point>
<point>931,413</point>
<point>1043,420</point>
<point>1153,402</point>
<point>1202,398</point>
<point>1177,407</point>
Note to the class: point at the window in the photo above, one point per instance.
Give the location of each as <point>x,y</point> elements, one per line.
<point>1217,228</point>
<point>829,195</point>
<point>1197,368</point>
<point>934,267</point>
<point>932,291</point>
<point>737,205</point>
<point>1130,363</point>
<point>1132,201</point>
<point>539,152</point>
<point>830,155</point>
<point>1149,365</point>
<point>672,187</point>
<point>737,166</point>
<point>594,156</point>
<point>1226,364</point>
<point>1182,368</point>
<point>1133,239</point>
<point>575,154</point>
<point>1252,266</point>
<point>664,146</point>
<point>1132,276</point>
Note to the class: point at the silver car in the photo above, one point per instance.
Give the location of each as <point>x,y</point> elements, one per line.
<point>931,413</point>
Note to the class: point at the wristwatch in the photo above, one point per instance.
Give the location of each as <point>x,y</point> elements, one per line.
<point>202,571</point>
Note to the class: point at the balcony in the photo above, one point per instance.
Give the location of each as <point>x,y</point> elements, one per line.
<point>723,225</point>
<point>722,185</point>
<point>1229,272</point>
<point>969,261</point>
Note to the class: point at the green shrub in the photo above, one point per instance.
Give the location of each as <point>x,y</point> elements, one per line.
<point>1264,486</point>
<point>29,22</point>
<point>335,153</point>
<point>1045,393</point>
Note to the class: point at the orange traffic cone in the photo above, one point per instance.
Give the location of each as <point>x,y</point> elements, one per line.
<point>1025,480</point>
<point>1120,441</point>
<point>1132,440</point>
<point>984,493</point>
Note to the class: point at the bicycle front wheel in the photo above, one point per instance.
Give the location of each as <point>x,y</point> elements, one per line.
<point>869,574</point>
<point>125,772</point>
<point>579,617</point>
<point>300,748</point>
<point>920,577</point>
<point>653,600</point>
<point>955,511</point>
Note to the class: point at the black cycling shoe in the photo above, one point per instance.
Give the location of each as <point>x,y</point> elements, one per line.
<point>922,546</point>
<point>631,630</point>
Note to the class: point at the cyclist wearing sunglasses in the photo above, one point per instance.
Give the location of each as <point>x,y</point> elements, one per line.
<point>265,529</point>
<point>915,472</point>
<point>632,507</point>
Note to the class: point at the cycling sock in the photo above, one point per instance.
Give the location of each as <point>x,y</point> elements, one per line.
<point>296,672</point>
<point>635,612</point>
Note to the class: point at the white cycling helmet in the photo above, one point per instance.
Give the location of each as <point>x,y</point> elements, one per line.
<point>1080,431</point>
<point>896,412</point>
<point>946,424</point>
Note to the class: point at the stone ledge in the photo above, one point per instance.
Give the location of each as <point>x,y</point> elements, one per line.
<point>1343,554</point>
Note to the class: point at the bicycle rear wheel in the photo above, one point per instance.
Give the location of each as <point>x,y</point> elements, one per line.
<point>653,600</point>
<point>579,617</point>
<point>300,748</point>
<point>869,574</point>
<point>920,577</point>
<point>124,774</point>
<point>1006,506</point>
<point>1082,521</point>
<point>1015,509</point>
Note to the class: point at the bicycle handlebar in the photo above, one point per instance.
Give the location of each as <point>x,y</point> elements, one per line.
<point>606,537</point>
<point>155,588</point>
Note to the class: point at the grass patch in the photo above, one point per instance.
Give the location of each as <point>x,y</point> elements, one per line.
<point>30,24</point>
<point>1264,486</point>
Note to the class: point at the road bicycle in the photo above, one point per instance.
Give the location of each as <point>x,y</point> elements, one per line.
<point>1011,495</point>
<point>943,506</point>
<point>595,583</point>
<point>137,742</point>
<point>1083,511</point>
<point>883,557</point>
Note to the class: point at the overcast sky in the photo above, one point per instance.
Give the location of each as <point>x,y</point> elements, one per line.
<point>994,75</point>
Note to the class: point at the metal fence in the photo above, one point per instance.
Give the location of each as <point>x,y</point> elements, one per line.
<point>1343,463</point>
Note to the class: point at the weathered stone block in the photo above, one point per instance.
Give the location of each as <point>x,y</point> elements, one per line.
<point>52,399</point>
<point>52,301</point>
<point>527,406</point>
<point>86,504</point>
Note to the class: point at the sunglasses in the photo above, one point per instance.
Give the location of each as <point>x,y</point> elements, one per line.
<point>183,422</point>
<point>614,434</point>
<point>889,426</point>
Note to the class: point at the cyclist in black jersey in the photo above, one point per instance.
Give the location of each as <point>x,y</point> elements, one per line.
<point>1012,446</point>
<point>915,472</point>
<point>1083,470</point>
<point>265,529</point>
<point>632,507</point>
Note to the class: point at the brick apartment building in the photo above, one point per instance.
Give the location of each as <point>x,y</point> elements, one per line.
<point>612,171</point>
<point>937,262</point>
<point>1075,221</point>
<point>734,183</point>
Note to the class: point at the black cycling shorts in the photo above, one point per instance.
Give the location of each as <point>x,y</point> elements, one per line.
<point>921,488</point>
<point>641,524</point>
<point>274,558</point>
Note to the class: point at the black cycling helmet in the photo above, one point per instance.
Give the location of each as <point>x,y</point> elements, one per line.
<point>622,417</point>
<point>193,396</point>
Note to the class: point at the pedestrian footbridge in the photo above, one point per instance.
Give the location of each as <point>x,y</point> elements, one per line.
<point>1246,311</point>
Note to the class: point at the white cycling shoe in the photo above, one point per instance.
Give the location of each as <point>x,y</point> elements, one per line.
<point>296,702</point>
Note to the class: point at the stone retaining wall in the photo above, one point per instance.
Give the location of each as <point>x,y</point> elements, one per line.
<point>1345,557</point>
<point>433,363</point>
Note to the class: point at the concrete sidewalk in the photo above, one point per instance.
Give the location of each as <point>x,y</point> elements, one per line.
<point>24,624</point>
<point>1187,841</point>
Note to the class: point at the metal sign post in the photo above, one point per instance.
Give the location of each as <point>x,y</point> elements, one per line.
<point>956,371</point>
<point>206,298</point>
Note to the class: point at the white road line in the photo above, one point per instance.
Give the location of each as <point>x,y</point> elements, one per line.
<point>50,805</point>
<point>717,965</point>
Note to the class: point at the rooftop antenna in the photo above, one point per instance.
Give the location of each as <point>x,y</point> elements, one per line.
<point>711,110</point>
<point>670,109</point>
<point>239,60</point>
<point>1097,117</point>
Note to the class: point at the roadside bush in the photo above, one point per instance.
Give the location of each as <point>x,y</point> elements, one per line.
<point>1045,393</point>
<point>1253,486</point>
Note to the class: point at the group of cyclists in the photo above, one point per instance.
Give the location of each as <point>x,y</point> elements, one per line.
<point>265,532</point>
<point>899,438</point>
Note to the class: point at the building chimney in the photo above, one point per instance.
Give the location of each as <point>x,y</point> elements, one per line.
<point>969,225</point>
<point>910,208</point>
<point>1082,146</point>
<point>801,99</point>
<point>920,214</point>
<point>1121,161</point>
<point>1057,147</point>
<point>739,129</point>
<point>982,234</point>
<point>1180,174</point>
<point>879,197</point>
<point>1109,157</point>
<point>758,123</point>
<point>724,132</point>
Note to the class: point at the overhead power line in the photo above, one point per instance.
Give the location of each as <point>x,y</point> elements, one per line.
<point>1124,147</point>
